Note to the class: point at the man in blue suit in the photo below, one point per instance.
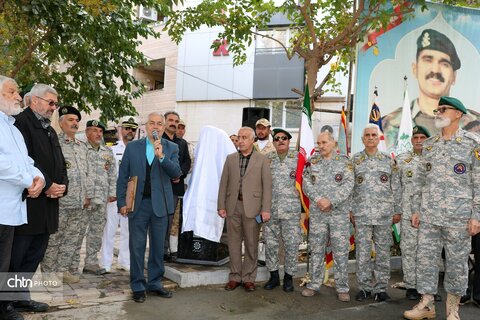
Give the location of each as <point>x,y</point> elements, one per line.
<point>154,161</point>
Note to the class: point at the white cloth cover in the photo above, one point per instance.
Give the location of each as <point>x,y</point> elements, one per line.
<point>200,200</point>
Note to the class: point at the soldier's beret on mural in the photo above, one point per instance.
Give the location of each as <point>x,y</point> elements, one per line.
<point>434,40</point>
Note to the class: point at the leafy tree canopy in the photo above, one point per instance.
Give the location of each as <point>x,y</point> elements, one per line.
<point>84,48</point>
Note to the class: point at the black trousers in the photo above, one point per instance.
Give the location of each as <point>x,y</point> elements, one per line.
<point>27,253</point>
<point>6,240</point>
<point>476,277</point>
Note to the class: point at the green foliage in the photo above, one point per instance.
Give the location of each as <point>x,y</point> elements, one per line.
<point>84,48</point>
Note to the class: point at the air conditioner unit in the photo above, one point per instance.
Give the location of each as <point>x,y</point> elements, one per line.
<point>147,13</point>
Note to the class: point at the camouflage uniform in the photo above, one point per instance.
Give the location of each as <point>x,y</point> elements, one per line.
<point>62,244</point>
<point>332,179</point>
<point>449,172</point>
<point>103,174</point>
<point>376,198</point>
<point>285,217</point>
<point>269,147</point>
<point>408,172</point>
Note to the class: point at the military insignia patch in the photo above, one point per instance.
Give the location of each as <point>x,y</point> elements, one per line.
<point>314,160</point>
<point>338,177</point>
<point>429,148</point>
<point>350,167</point>
<point>358,162</point>
<point>409,173</point>
<point>425,40</point>
<point>107,165</point>
<point>337,158</point>
<point>458,139</point>
<point>359,179</point>
<point>292,174</point>
<point>68,164</point>
<point>477,153</point>
<point>428,166</point>
<point>384,178</point>
<point>94,123</point>
<point>313,178</point>
<point>459,168</point>
<point>408,160</point>
<point>64,110</point>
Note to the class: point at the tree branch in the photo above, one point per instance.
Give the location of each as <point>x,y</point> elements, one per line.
<point>308,21</point>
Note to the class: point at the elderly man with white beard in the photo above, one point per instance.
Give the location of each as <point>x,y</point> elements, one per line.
<point>446,210</point>
<point>18,179</point>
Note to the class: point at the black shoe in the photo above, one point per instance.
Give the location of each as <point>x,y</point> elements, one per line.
<point>412,294</point>
<point>437,297</point>
<point>167,258</point>
<point>382,296</point>
<point>139,296</point>
<point>273,282</point>
<point>287,283</point>
<point>464,299</point>
<point>363,295</point>
<point>30,306</point>
<point>162,292</point>
<point>261,263</point>
<point>8,312</point>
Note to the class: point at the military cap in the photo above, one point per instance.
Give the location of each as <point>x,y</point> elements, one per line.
<point>453,102</point>
<point>434,40</point>
<point>278,130</point>
<point>96,123</point>
<point>129,122</point>
<point>64,110</point>
<point>181,123</point>
<point>421,130</point>
<point>264,122</point>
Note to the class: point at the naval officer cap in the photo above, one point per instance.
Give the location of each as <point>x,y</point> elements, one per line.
<point>434,40</point>
<point>421,130</point>
<point>64,110</point>
<point>129,122</point>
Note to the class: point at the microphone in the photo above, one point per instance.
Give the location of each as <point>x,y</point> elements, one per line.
<point>155,135</point>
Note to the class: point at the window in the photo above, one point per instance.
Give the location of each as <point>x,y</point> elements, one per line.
<point>268,45</point>
<point>151,75</point>
<point>284,113</point>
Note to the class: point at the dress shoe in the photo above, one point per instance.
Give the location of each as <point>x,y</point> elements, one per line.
<point>232,285</point>
<point>307,292</point>
<point>343,296</point>
<point>8,312</point>
<point>30,306</point>
<point>363,295</point>
<point>162,292</point>
<point>382,296</point>
<point>412,294</point>
<point>249,286</point>
<point>139,296</point>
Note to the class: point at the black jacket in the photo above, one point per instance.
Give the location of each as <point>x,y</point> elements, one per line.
<point>44,148</point>
<point>185,163</point>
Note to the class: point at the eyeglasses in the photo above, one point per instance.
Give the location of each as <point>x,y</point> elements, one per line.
<point>283,138</point>
<point>51,103</point>
<point>442,110</point>
<point>130,129</point>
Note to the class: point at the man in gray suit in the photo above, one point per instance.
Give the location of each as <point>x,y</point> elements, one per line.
<point>154,161</point>
<point>245,192</point>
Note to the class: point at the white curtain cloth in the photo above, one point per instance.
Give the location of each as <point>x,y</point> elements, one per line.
<point>200,200</point>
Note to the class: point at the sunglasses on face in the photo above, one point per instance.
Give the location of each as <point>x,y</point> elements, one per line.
<point>51,103</point>
<point>283,138</point>
<point>442,110</point>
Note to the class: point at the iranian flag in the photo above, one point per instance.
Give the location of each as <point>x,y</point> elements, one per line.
<point>306,149</point>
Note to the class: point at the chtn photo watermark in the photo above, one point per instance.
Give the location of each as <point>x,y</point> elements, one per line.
<point>15,286</point>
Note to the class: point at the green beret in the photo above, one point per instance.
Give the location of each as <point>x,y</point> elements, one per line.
<point>278,130</point>
<point>96,123</point>
<point>420,130</point>
<point>453,102</point>
<point>64,110</point>
<point>434,40</point>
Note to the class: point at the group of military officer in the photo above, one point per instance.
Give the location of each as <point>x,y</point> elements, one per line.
<point>432,190</point>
